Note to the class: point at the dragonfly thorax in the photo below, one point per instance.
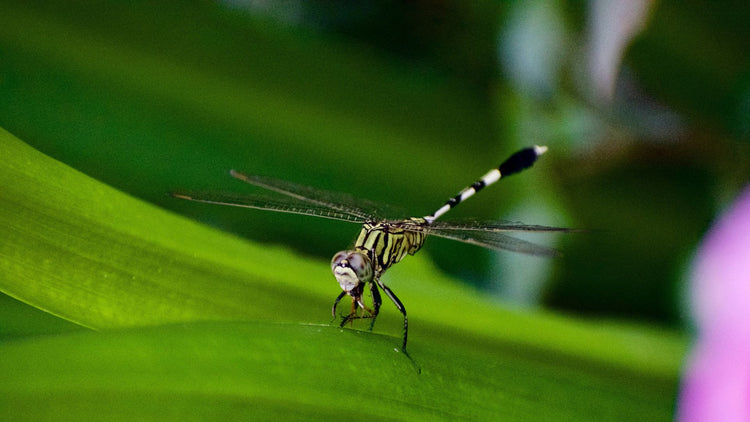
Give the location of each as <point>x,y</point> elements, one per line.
<point>352,269</point>
<point>387,242</point>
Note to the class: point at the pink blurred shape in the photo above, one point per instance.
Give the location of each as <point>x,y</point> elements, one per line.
<point>716,383</point>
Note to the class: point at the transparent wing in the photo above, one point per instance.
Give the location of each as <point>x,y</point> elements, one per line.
<point>493,240</point>
<point>338,201</point>
<point>489,234</point>
<point>278,204</point>
<point>496,226</point>
<point>304,200</point>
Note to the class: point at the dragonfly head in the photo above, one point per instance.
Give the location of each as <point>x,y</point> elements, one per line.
<point>352,269</point>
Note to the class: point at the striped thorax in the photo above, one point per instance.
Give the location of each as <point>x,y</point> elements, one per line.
<point>389,242</point>
<point>379,245</point>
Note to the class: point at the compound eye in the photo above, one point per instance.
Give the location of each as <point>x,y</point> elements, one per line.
<point>358,263</point>
<point>336,261</point>
<point>351,268</point>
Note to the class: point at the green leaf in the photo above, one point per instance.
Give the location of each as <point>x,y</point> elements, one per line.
<point>264,370</point>
<point>92,255</point>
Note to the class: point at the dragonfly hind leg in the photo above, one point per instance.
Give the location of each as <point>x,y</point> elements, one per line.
<point>400,307</point>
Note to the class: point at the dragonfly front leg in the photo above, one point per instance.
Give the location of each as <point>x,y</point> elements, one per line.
<point>366,311</point>
<point>336,303</point>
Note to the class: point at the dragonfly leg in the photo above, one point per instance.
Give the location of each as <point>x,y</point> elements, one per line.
<point>376,302</point>
<point>366,311</point>
<point>352,314</point>
<point>400,307</point>
<point>336,303</point>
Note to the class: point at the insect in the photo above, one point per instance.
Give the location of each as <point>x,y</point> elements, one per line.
<point>383,242</point>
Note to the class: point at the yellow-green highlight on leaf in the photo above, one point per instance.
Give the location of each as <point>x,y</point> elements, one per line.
<point>83,251</point>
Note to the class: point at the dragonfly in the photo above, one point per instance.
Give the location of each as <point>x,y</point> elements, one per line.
<point>383,242</point>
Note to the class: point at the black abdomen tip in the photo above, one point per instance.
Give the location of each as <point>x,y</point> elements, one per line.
<point>521,160</point>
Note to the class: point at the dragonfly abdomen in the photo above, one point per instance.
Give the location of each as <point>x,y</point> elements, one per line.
<point>521,160</point>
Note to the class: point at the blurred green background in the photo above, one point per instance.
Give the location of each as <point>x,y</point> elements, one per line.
<point>406,103</point>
